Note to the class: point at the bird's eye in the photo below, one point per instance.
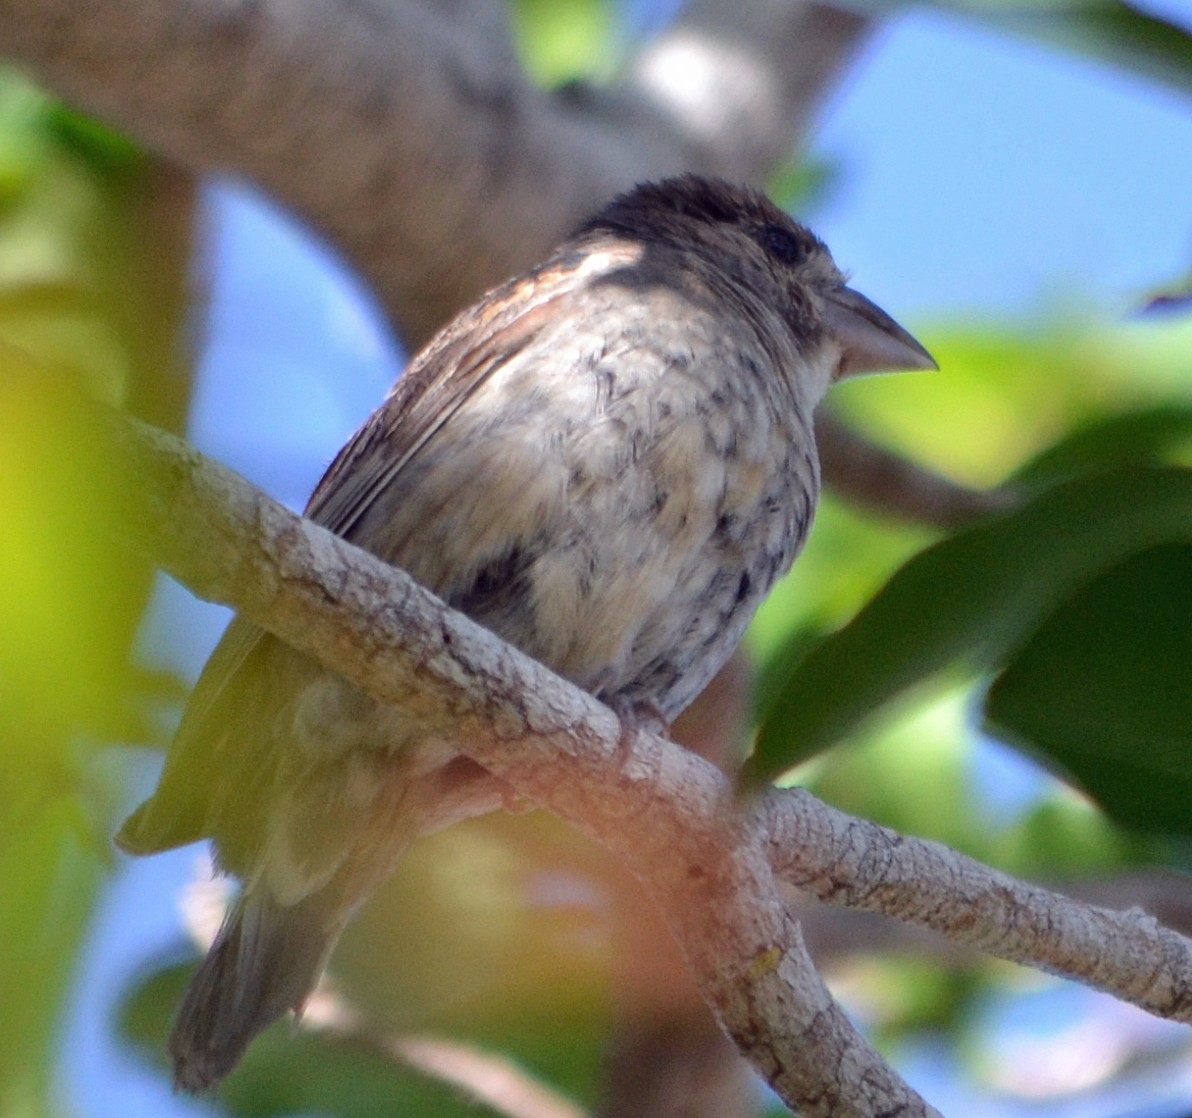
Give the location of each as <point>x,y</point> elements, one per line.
<point>782,244</point>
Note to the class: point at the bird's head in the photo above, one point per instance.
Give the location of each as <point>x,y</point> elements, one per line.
<point>737,236</point>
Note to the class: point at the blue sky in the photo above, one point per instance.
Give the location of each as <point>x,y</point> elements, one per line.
<point>982,177</point>
<point>985,173</point>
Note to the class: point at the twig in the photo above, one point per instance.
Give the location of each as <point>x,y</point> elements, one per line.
<point>887,483</point>
<point>852,862</point>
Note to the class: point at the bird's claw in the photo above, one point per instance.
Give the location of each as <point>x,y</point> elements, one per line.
<point>636,716</point>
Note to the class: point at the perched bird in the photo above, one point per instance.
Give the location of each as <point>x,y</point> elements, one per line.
<point>607,461</point>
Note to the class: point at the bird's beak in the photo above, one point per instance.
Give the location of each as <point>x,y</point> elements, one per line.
<point>872,341</point>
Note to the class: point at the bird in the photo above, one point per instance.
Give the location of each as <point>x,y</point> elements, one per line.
<point>607,461</point>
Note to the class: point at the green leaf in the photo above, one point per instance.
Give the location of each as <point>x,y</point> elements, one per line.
<point>108,151</point>
<point>92,295</point>
<point>970,600</point>
<point>563,40</point>
<point>1119,33</point>
<point>1103,690</point>
<point>1157,434</point>
<point>50,873</point>
<point>1123,35</point>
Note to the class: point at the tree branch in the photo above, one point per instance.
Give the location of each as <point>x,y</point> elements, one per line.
<point>853,862</point>
<point>409,133</point>
<point>886,483</point>
<point>484,1079</point>
<point>669,815</point>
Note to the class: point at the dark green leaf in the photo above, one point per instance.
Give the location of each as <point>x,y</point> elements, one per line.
<point>1103,689</point>
<point>1121,34</point>
<point>972,600</point>
<point>1124,35</point>
<point>1147,436</point>
<point>109,152</point>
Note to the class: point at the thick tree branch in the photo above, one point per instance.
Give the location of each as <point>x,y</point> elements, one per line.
<point>408,131</point>
<point>409,134</point>
<point>668,815</point>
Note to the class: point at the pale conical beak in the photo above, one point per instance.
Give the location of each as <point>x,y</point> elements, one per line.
<point>873,342</point>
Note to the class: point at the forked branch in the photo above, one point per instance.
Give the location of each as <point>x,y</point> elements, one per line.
<point>711,863</point>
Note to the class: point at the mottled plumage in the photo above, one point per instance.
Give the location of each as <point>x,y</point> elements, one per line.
<point>607,461</point>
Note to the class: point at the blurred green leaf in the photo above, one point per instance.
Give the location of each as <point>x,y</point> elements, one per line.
<point>91,302</point>
<point>801,184</point>
<point>1122,34</point>
<point>912,774</point>
<point>66,618</point>
<point>1102,689</point>
<point>1150,435</point>
<point>969,600</point>
<point>562,40</point>
<point>106,149</point>
<point>916,773</point>
<point>1066,837</point>
<point>95,246</point>
<point>71,603</point>
<point>849,555</point>
<point>50,873</point>
<point>1003,396</point>
<point>904,994</point>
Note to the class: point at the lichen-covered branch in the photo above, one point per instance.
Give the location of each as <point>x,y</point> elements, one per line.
<point>852,862</point>
<point>711,863</point>
<point>668,814</point>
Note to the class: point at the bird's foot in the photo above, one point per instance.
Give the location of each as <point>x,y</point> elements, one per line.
<point>636,716</point>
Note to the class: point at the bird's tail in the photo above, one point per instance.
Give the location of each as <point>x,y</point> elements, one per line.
<point>265,961</point>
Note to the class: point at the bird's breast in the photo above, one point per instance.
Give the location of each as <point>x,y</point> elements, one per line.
<point>618,500</point>
<point>687,495</point>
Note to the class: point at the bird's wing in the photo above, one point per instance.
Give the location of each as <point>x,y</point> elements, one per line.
<point>208,753</point>
<point>222,758</point>
<point>440,381</point>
